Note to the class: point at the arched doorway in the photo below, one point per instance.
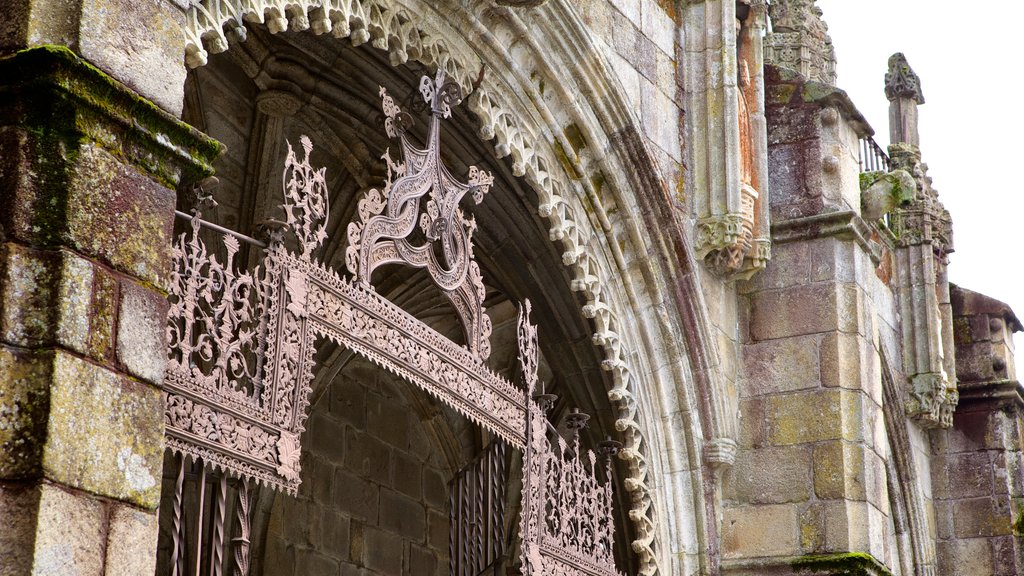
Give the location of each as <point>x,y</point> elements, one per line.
<point>392,522</point>
<point>621,284</point>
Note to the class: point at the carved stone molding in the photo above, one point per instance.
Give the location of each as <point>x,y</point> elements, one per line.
<point>728,151</point>
<point>923,232</point>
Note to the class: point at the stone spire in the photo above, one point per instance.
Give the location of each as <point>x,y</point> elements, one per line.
<point>799,40</point>
<point>903,89</point>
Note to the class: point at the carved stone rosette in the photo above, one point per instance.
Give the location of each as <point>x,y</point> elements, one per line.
<point>924,240</point>
<point>728,154</point>
<point>799,40</point>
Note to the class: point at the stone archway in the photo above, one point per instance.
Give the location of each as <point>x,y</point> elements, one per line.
<point>598,223</point>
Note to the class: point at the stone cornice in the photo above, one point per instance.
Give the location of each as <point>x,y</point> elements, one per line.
<point>56,94</point>
<point>846,224</point>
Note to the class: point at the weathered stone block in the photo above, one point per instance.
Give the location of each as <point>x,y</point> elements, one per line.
<point>407,475</point>
<point>105,433</point>
<point>70,536</point>
<point>435,489</point>
<point>24,404</point>
<point>141,332</point>
<point>103,195</point>
<point>967,557</point>
<point>769,476</point>
<point>19,507</point>
<point>966,475</point>
<point>752,531</point>
<point>348,402</point>
<point>336,537</point>
<point>784,365</point>
<point>382,551</point>
<point>438,530</point>
<point>839,471</point>
<point>29,281</point>
<point>327,437</point>
<point>131,541</point>
<point>402,515</point>
<point>804,417</point>
<point>356,496</point>
<point>367,456</point>
<point>804,310</point>
<point>981,517</point>
<point>388,420</point>
<point>790,266</point>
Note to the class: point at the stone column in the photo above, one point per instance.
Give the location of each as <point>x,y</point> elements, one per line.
<point>88,173</point>
<point>903,89</point>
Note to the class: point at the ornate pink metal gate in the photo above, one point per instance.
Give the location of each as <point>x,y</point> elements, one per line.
<point>241,358</point>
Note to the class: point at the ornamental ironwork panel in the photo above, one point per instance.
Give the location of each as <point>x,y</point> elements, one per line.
<point>566,524</point>
<point>241,341</point>
<point>241,345</point>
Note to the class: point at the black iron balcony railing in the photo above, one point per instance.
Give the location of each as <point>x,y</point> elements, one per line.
<point>871,157</point>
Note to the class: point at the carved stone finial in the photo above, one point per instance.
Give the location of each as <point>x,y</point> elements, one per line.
<point>799,40</point>
<point>901,81</point>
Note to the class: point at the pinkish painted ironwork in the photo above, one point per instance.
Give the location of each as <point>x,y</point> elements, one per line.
<point>566,523</point>
<point>388,217</point>
<point>241,351</point>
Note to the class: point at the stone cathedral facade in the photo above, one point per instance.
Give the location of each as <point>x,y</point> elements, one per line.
<point>665,307</point>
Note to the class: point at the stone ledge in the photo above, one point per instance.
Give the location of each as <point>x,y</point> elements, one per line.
<point>56,94</point>
<point>840,564</point>
<point>846,224</point>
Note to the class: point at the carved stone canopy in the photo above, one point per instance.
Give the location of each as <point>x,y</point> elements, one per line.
<point>901,81</point>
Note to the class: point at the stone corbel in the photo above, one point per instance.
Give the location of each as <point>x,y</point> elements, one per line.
<point>728,156</point>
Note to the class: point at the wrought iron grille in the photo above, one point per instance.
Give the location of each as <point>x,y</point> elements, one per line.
<point>241,357</point>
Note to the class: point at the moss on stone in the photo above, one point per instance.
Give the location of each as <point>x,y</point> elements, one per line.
<point>845,564</point>
<point>64,101</point>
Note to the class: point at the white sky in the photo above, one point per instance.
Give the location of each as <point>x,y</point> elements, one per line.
<point>971,124</point>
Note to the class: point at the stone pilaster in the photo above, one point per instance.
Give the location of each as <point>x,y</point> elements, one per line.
<point>923,238</point>
<point>88,172</point>
<point>728,165</point>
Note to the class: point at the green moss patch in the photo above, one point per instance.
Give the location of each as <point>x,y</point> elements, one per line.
<point>847,564</point>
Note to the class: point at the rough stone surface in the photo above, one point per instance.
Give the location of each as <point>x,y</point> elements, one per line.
<point>24,403</point>
<point>141,332</point>
<point>105,433</point>
<point>131,541</point>
<point>70,536</point>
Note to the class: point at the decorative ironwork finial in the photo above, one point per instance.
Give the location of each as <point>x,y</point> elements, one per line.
<point>388,217</point>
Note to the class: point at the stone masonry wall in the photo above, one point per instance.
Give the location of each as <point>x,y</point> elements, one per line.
<point>374,495</point>
<point>810,476</point>
<point>88,191</point>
